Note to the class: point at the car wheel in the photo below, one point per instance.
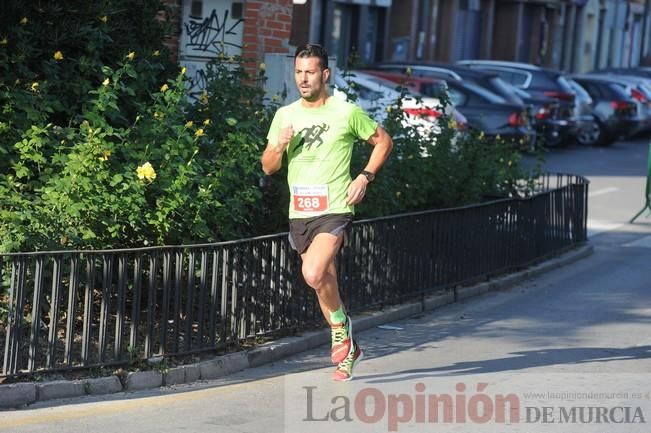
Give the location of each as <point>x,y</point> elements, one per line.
<point>605,138</point>
<point>590,136</point>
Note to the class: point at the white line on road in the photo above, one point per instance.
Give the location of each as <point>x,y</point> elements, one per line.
<point>602,191</point>
<point>596,226</point>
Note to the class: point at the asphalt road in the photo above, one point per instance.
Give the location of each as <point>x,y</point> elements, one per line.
<point>578,336</point>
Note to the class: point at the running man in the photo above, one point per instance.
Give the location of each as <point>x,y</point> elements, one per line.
<point>317,132</point>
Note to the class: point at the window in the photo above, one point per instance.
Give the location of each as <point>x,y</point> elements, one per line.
<point>457,98</point>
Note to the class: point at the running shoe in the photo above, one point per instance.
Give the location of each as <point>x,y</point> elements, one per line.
<point>344,371</point>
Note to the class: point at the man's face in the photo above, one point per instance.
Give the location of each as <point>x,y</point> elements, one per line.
<point>311,80</point>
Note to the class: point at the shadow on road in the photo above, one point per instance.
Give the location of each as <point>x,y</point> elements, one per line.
<point>519,361</point>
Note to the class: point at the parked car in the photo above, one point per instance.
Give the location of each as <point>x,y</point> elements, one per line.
<point>588,132</point>
<point>485,111</point>
<point>548,120</point>
<point>639,88</point>
<point>614,108</point>
<point>447,72</point>
<point>538,82</point>
<point>375,95</point>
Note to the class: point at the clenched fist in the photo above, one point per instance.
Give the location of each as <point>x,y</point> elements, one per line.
<point>284,137</point>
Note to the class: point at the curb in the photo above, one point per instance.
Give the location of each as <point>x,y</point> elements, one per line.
<point>20,394</point>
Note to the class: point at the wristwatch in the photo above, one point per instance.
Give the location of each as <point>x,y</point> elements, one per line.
<point>368,175</point>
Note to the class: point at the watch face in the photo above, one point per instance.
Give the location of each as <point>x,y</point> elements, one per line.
<point>369,176</point>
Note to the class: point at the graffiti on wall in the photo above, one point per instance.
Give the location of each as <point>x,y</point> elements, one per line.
<point>214,35</point>
<point>214,29</point>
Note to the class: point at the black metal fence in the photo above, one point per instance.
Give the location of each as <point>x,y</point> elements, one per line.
<point>77,309</point>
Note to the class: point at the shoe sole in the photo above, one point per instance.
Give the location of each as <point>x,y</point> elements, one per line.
<point>349,378</point>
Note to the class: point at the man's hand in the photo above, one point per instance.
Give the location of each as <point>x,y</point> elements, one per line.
<point>272,156</point>
<point>284,138</point>
<point>357,190</point>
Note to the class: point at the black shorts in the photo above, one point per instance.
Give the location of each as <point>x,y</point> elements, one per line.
<point>303,230</point>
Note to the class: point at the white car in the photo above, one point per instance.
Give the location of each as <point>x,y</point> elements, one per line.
<point>377,96</point>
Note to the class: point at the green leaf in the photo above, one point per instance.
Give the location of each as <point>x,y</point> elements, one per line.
<point>116,179</point>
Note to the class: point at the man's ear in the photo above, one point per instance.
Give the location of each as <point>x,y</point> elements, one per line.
<point>326,75</point>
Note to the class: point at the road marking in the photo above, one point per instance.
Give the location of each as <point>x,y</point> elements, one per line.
<point>602,191</point>
<point>644,242</point>
<point>596,227</point>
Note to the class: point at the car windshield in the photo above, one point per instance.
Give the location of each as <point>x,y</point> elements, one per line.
<point>484,93</point>
<point>564,83</point>
<point>620,90</point>
<point>576,88</point>
<point>510,88</point>
<point>434,89</point>
<point>516,94</point>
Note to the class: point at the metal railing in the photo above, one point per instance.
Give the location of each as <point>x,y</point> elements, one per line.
<point>78,309</point>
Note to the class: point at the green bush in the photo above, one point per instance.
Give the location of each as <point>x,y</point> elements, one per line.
<point>52,54</point>
<point>92,110</point>
<point>177,174</point>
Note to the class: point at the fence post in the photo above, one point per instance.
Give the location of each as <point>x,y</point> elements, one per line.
<point>647,194</point>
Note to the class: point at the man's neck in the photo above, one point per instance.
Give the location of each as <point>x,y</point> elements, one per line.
<point>319,102</point>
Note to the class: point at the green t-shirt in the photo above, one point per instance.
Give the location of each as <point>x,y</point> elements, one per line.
<point>319,154</point>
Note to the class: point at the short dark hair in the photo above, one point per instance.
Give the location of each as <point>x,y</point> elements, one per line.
<point>313,50</point>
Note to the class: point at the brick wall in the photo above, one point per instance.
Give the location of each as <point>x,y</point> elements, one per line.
<point>267,27</point>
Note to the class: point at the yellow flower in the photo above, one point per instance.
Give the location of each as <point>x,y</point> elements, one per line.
<point>408,71</point>
<point>105,155</point>
<point>199,132</point>
<point>189,124</point>
<point>203,99</point>
<point>23,21</point>
<point>34,86</point>
<point>4,41</point>
<point>58,56</point>
<point>389,109</point>
<point>146,172</point>
<point>164,88</point>
<point>106,82</point>
<point>262,67</point>
<point>184,70</point>
<point>131,55</point>
<point>156,53</point>
<point>206,122</point>
<point>104,19</point>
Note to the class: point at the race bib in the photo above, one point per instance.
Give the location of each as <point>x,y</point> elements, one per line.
<point>310,198</point>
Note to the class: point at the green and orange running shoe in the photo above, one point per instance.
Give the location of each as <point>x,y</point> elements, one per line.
<point>344,371</point>
<point>342,337</point>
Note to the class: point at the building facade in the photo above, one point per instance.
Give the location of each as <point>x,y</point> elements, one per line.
<point>570,35</point>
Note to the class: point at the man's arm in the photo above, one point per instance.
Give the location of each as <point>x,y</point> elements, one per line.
<point>382,145</point>
<point>272,157</point>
